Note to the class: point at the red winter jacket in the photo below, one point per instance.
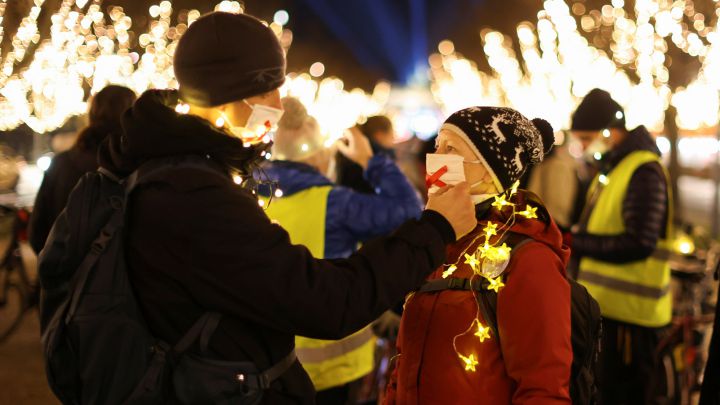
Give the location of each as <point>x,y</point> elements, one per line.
<point>533,314</point>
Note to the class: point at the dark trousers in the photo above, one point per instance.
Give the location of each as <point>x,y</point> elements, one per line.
<point>629,370</point>
<point>342,395</point>
<point>334,396</point>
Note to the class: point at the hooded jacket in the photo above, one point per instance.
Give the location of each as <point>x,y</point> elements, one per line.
<point>351,216</point>
<point>645,208</point>
<point>533,313</point>
<point>197,242</point>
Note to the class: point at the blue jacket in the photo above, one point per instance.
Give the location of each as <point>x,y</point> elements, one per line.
<point>353,217</point>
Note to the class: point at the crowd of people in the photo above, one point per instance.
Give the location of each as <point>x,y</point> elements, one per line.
<point>271,272</point>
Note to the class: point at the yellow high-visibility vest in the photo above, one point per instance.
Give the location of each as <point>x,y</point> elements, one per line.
<point>636,292</point>
<point>330,363</point>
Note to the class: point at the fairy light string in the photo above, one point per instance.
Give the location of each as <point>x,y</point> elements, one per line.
<point>488,249</point>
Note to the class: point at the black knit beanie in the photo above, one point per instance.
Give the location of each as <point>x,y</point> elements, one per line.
<point>505,141</point>
<point>598,111</point>
<point>225,57</point>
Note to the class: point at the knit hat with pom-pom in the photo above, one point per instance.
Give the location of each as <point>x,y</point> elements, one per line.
<point>503,139</point>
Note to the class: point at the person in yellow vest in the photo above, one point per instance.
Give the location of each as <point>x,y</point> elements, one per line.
<point>622,241</point>
<point>331,221</point>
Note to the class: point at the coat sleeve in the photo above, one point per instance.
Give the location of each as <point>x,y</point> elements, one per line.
<point>534,326</point>
<point>245,266</point>
<point>366,216</point>
<point>645,211</point>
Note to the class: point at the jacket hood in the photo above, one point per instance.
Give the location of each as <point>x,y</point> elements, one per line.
<point>290,177</point>
<point>542,229</point>
<point>638,139</point>
<point>152,129</point>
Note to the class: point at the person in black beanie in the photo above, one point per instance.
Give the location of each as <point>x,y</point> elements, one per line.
<point>197,243</point>
<point>596,113</point>
<point>621,243</point>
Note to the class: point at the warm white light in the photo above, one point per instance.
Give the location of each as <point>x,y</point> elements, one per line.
<point>44,162</point>
<point>317,69</point>
<point>281,17</point>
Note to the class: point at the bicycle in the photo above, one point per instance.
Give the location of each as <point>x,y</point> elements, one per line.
<point>681,347</point>
<point>18,293</point>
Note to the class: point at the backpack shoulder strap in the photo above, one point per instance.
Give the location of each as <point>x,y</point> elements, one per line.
<point>487,299</point>
<point>96,249</point>
<point>117,219</point>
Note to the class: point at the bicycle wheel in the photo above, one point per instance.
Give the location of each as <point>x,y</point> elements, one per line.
<point>12,304</point>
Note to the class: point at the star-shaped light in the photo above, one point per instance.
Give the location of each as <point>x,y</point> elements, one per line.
<point>514,188</point>
<point>449,271</point>
<point>469,362</point>
<point>500,202</point>
<point>530,212</point>
<point>495,254</point>
<point>496,284</point>
<point>490,229</point>
<point>483,332</point>
<point>472,261</point>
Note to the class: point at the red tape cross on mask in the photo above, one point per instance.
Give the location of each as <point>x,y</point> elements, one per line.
<point>433,179</point>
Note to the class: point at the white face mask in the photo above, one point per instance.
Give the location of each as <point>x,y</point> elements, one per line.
<point>447,169</point>
<point>263,118</point>
<point>443,170</point>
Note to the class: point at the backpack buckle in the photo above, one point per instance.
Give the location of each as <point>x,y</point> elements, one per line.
<point>255,381</point>
<point>458,284</point>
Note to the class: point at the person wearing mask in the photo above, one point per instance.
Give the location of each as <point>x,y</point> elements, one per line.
<point>378,129</point>
<point>332,221</point>
<point>622,243</point>
<point>106,109</point>
<point>448,353</point>
<point>196,241</point>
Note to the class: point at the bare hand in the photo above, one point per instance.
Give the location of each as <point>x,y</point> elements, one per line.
<point>454,203</point>
<point>358,147</point>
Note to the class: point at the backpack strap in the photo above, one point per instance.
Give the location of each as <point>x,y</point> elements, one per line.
<point>117,219</point>
<point>487,299</point>
<point>96,249</point>
<point>442,284</point>
<point>201,330</point>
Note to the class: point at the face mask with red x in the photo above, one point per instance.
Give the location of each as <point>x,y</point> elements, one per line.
<point>448,170</point>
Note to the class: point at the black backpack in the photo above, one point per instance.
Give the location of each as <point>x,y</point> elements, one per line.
<point>585,319</point>
<point>98,348</point>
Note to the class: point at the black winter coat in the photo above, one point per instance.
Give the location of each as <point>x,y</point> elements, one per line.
<point>645,208</point>
<point>59,180</point>
<point>198,242</point>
